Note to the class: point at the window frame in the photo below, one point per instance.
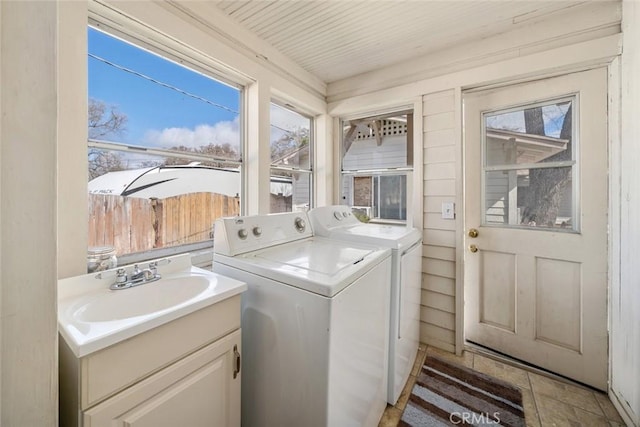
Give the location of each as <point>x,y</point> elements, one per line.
<point>574,98</point>
<point>312,149</point>
<point>406,171</point>
<point>181,55</point>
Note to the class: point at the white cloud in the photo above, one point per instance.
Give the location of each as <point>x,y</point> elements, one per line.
<point>224,132</point>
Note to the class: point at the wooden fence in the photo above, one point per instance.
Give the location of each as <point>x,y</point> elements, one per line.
<point>132,224</point>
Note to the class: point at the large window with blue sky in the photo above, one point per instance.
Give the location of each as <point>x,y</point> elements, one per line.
<point>164,149</point>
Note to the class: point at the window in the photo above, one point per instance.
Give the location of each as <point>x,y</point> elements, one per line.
<point>529,166</point>
<point>291,160</point>
<point>165,150</point>
<point>376,158</point>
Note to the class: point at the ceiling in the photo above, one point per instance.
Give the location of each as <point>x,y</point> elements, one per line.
<point>336,39</point>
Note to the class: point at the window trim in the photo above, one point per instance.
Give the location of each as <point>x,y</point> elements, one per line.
<point>104,18</point>
<point>132,148</point>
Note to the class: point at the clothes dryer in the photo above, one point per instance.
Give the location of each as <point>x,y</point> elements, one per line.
<point>314,322</point>
<point>339,223</point>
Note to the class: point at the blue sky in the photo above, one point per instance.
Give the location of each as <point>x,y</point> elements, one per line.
<point>166,117</point>
<point>158,115</point>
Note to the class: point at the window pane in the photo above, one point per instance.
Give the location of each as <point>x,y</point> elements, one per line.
<point>392,197</point>
<point>376,143</point>
<point>290,138</point>
<point>362,191</point>
<point>148,202</point>
<point>291,150</point>
<point>139,98</point>
<point>377,196</point>
<point>541,198</point>
<point>145,113</point>
<point>290,191</point>
<point>529,135</point>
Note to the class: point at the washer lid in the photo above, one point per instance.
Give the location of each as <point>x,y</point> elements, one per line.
<point>322,257</point>
<point>390,236</point>
<point>317,264</point>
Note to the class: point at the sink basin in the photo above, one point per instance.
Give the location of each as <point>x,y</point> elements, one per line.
<point>92,317</point>
<point>141,300</point>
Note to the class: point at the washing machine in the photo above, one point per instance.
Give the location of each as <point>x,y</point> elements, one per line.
<point>314,322</point>
<point>338,222</point>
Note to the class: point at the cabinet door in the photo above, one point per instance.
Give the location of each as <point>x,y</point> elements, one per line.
<point>199,390</point>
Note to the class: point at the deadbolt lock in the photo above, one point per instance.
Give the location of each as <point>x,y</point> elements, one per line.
<point>473,233</point>
<point>473,248</point>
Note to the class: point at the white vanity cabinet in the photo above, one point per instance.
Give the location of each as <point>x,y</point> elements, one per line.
<point>183,373</point>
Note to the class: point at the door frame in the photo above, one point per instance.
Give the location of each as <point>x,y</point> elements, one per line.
<point>613,198</point>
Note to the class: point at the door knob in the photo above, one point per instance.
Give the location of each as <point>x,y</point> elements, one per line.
<point>473,233</point>
<point>473,248</point>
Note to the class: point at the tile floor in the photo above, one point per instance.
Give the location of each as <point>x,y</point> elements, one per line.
<point>547,401</point>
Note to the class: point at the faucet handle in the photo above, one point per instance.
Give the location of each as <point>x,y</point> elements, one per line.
<point>121,276</point>
<point>153,266</point>
<point>136,269</point>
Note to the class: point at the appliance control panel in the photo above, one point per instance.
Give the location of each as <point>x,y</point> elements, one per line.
<point>237,235</point>
<point>331,217</point>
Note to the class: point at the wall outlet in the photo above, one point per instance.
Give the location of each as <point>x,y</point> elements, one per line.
<point>448,210</point>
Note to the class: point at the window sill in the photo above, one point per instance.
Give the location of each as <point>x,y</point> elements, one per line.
<point>201,254</point>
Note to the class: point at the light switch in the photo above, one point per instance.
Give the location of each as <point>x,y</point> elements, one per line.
<point>448,210</point>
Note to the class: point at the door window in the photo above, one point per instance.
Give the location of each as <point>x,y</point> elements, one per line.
<point>529,176</point>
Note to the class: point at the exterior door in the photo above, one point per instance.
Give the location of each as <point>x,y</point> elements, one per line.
<point>535,263</point>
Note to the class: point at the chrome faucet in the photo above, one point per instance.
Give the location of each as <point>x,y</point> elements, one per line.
<point>137,276</point>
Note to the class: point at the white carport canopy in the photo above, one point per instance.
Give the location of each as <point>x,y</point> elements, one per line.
<point>167,181</point>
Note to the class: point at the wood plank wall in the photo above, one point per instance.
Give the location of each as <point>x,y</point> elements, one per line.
<point>439,235</point>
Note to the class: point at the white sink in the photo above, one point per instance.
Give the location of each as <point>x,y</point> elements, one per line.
<point>92,317</point>
<point>140,300</point>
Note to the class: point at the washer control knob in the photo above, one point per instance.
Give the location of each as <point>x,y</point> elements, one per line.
<point>345,214</point>
<point>300,224</point>
<point>337,215</point>
<point>242,233</point>
<point>257,231</point>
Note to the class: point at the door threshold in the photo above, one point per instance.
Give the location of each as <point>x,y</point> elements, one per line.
<point>509,360</point>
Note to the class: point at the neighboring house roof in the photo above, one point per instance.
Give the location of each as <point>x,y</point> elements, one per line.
<point>529,148</point>
<point>168,181</point>
<point>296,156</point>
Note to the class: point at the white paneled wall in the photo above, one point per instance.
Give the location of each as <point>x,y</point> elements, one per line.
<point>439,235</point>
<point>625,228</point>
<point>29,103</point>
